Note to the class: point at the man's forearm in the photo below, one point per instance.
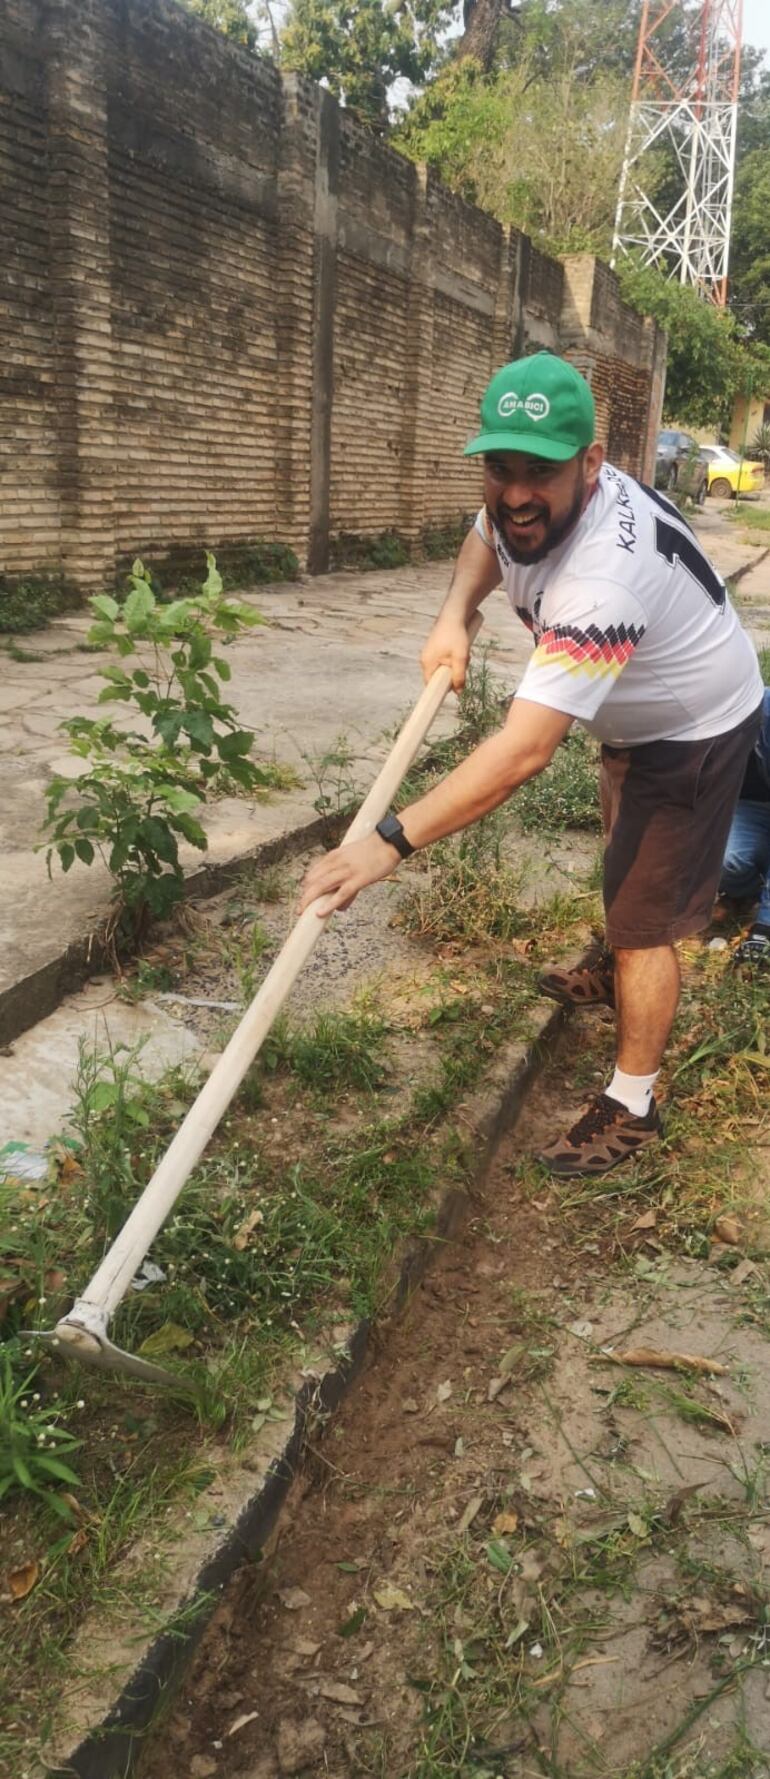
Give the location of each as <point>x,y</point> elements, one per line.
<point>480,784</point>
<point>476,574</point>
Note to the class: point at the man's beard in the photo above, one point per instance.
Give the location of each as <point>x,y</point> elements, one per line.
<point>555,532</point>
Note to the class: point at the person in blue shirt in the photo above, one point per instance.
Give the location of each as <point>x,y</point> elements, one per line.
<point>746,865</point>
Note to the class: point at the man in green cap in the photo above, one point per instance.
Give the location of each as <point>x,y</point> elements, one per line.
<point>635,638</point>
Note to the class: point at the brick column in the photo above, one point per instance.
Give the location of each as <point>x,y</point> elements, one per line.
<point>327,180</point>
<point>298,317</point>
<point>507,335</point>
<point>417,431</point>
<point>656,342</point>
<point>80,289</point>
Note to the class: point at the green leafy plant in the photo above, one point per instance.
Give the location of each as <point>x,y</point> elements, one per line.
<point>110,1118</point>
<point>760,445</point>
<point>32,1439</point>
<point>385,550</point>
<point>30,604</point>
<point>140,794</point>
<point>335,780</point>
<point>566,795</point>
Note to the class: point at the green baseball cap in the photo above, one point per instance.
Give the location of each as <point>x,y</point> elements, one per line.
<point>541,405</point>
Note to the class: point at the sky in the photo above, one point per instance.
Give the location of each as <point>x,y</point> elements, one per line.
<point>756,24</point>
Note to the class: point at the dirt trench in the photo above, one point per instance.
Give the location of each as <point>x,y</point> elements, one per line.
<point>508,1557</point>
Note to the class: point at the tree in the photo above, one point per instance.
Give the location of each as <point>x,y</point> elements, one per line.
<point>544,154</point>
<point>482,20</point>
<point>229,16</point>
<point>360,47</point>
<point>706,361</point>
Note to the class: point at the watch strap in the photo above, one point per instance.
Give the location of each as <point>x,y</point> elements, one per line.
<point>390,829</point>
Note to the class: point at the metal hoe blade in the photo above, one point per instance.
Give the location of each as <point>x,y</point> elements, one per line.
<point>82,1335</point>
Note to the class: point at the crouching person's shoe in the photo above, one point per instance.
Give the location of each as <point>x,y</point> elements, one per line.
<point>588,985</point>
<point>605,1135</point>
<point>753,953</point>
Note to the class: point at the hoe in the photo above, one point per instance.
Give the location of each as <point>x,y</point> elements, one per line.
<point>83,1334</point>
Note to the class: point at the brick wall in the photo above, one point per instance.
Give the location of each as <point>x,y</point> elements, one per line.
<point>228,312</point>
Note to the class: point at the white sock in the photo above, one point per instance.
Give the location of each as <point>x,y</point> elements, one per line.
<point>633,1091</point>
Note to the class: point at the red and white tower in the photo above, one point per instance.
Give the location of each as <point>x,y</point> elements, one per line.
<point>695,111</point>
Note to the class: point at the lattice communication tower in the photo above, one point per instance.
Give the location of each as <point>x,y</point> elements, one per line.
<point>695,112</point>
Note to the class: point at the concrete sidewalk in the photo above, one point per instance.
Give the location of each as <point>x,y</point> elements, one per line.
<point>339,655</point>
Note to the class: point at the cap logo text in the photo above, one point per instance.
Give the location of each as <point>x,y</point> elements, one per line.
<point>536,407</point>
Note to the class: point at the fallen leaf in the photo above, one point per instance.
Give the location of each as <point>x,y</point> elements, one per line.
<point>742,1272</point>
<point>293,1598</point>
<point>673,1508</point>
<point>305,1646</point>
<point>505,1522</point>
<point>410,1406</point>
<point>637,1525</point>
<point>241,1722</point>
<point>23,1579</point>
<point>444,1391</point>
<point>466,1519</point>
<point>168,1339</point>
<point>648,1220</point>
<point>393,1599</point>
<point>339,1693</point>
<point>728,1229</point>
<point>78,1542</point>
<point>252,1222</point>
<point>661,1359</point>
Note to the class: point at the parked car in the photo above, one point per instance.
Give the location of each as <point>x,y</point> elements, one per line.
<point>724,468</point>
<point>679,463</point>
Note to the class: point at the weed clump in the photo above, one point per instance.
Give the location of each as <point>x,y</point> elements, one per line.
<point>469,894</point>
<point>566,794</point>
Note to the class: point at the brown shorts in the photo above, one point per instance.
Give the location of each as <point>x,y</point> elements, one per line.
<point>667,808</point>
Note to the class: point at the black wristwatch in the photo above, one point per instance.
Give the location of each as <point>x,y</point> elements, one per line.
<point>390,829</point>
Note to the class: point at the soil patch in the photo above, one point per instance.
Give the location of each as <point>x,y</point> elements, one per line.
<point>509,1556</point>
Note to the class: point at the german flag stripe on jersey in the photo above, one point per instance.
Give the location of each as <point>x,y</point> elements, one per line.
<point>592,651</point>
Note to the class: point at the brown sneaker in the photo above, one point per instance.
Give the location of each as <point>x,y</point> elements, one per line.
<point>588,985</point>
<point>605,1134</point>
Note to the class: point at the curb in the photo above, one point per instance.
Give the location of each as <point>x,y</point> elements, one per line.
<point>39,994</point>
<point>107,1748</point>
<point>748,567</point>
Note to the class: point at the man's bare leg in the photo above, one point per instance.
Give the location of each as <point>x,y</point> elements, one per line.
<point>647,985</point>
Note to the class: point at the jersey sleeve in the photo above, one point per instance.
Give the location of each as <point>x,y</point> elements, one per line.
<point>482,527</point>
<point>586,636</point>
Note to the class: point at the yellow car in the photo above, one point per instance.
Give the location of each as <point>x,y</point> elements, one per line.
<point>723,468</point>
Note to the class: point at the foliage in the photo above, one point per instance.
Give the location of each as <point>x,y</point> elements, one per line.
<point>759,447</point>
<point>337,788</point>
<point>385,550</point>
<point>360,47</point>
<point>229,16</point>
<point>566,794</point>
<point>240,565</point>
<point>333,1051</point>
<point>468,894</point>
<point>139,795</point>
<point>30,604</point>
<point>440,541</point>
<point>542,153</point>
<point>32,1439</point>
<point>705,362</point>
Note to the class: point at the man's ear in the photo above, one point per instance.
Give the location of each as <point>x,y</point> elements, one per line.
<point>594,459</point>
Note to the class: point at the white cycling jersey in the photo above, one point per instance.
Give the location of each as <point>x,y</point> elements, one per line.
<point>635,634</point>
